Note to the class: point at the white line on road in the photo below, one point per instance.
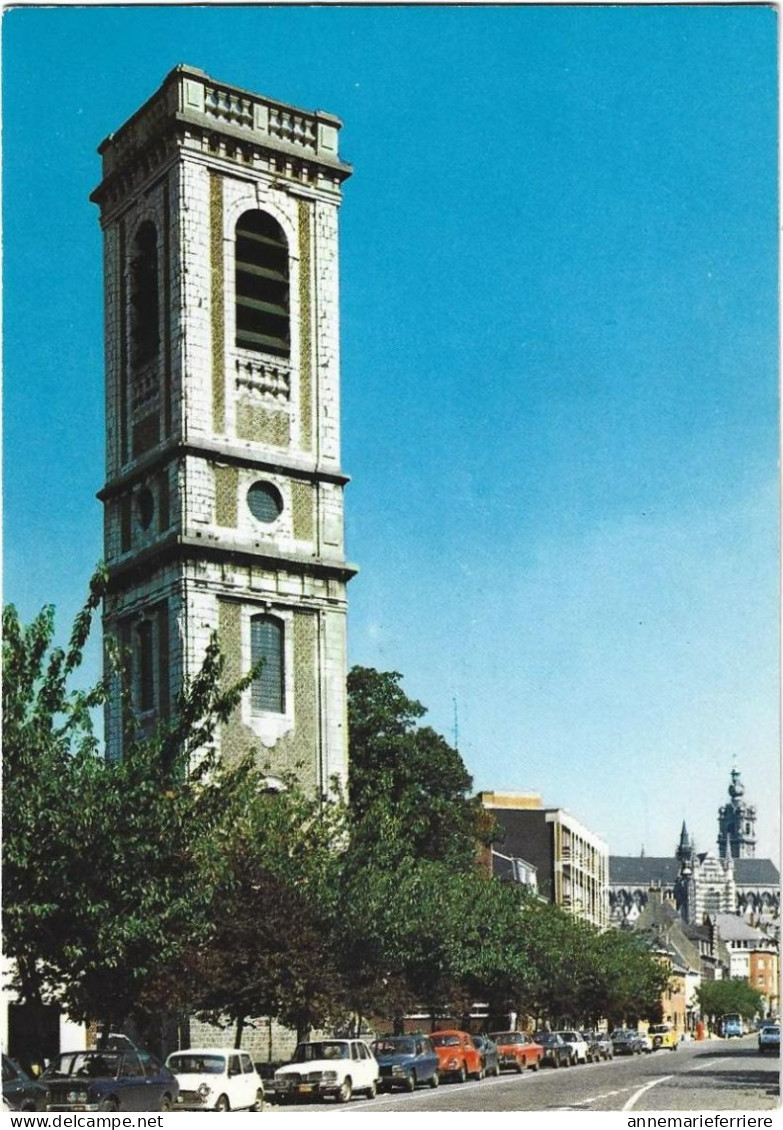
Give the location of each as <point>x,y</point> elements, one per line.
<point>638,1094</point>
<point>699,1066</point>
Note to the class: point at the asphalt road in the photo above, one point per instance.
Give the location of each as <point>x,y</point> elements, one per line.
<point>717,1075</point>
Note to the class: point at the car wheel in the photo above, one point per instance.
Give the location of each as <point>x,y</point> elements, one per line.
<point>521,1065</point>
<point>462,1074</point>
<point>496,1072</point>
<point>345,1092</point>
<point>479,1075</point>
<point>223,1103</point>
<point>166,1103</point>
<point>534,1066</point>
<point>372,1090</point>
<point>435,1080</point>
<point>259,1103</point>
<point>574,1060</point>
<point>410,1082</point>
<point>109,1104</point>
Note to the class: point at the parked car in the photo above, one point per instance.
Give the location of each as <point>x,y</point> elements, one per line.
<point>490,1058</point>
<point>577,1044</point>
<point>599,1046</point>
<point>405,1061</point>
<point>731,1024</point>
<point>458,1058</point>
<point>216,1079</point>
<point>518,1050</point>
<point>118,1077</point>
<point>555,1050</point>
<point>321,1068</point>
<point>769,1038</point>
<point>19,1090</point>
<point>663,1036</point>
<point>625,1041</point>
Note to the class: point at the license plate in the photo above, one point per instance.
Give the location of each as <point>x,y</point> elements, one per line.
<point>305,1089</point>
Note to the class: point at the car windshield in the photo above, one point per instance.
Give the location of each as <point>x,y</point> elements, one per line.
<point>773,1029</point>
<point>507,1037</point>
<point>445,1041</point>
<point>198,1064</point>
<point>547,1038</point>
<point>322,1049</point>
<point>658,1029</point>
<point>394,1047</point>
<point>85,1065</point>
<point>570,1035</point>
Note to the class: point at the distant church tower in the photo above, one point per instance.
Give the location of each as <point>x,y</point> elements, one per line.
<point>737,823</point>
<point>223,499</point>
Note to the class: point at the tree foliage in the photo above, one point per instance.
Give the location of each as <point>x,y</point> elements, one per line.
<point>171,880</point>
<point>718,998</point>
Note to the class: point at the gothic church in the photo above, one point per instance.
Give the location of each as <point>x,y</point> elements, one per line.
<point>701,884</point>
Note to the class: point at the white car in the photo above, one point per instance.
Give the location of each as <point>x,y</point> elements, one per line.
<point>328,1067</point>
<point>769,1038</point>
<point>577,1043</point>
<point>216,1079</point>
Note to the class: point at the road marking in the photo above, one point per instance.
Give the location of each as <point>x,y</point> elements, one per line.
<point>698,1066</point>
<point>638,1094</point>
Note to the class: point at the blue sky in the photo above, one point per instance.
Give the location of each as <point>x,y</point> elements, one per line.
<point>560,367</point>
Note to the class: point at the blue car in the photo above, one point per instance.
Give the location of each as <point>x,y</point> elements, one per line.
<point>406,1061</point>
<point>117,1077</point>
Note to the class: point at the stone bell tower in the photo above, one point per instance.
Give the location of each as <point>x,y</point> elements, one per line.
<point>223,499</point>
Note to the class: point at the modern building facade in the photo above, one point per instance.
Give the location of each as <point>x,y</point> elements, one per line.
<point>570,861</point>
<point>223,499</point>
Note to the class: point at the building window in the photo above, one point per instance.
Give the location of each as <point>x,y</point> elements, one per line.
<point>263,322</point>
<point>146,668</point>
<point>145,332</point>
<point>265,502</point>
<point>267,636</point>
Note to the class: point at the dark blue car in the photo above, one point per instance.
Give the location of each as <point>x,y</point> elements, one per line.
<point>117,1078</point>
<point>405,1061</point>
<point>19,1090</point>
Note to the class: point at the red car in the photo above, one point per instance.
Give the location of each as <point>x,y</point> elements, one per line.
<point>457,1055</point>
<point>517,1050</point>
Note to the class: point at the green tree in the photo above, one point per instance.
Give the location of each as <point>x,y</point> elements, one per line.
<point>718,998</point>
<point>48,744</point>
<point>409,790</point>
<point>271,948</point>
<point>102,879</point>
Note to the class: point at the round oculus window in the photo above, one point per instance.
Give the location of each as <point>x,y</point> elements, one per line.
<point>265,502</point>
<point>145,507</point>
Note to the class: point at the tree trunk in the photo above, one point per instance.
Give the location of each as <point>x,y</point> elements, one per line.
<point>239,1030</point>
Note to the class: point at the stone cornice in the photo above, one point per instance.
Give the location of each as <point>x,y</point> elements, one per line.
<point>216,453</point>
<point>177,547</point>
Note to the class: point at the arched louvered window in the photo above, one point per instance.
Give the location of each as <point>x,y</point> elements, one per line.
<point>267,638</point>
<point>263,321</point>
<point>145,332</point>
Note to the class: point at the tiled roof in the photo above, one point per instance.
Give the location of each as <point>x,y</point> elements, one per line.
<point>641,870</point>
<point>756,873</point>
<point>733,928</point>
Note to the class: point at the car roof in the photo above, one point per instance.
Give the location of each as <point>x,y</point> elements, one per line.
<point>210,1051</point>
